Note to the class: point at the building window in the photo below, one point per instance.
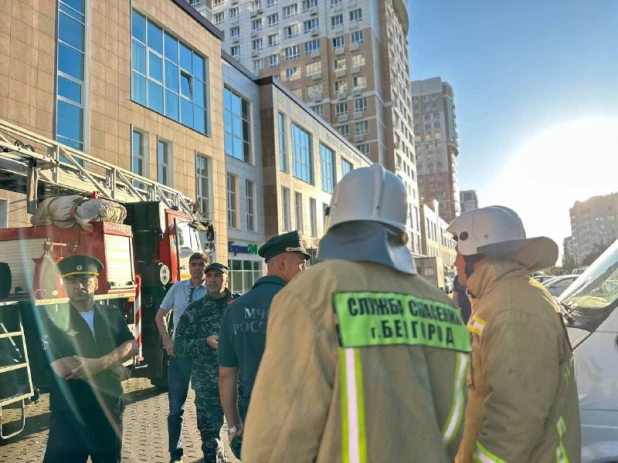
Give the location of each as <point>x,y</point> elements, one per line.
<point>235,51</point>
<point>327,164</point>
<point>298,210</point>
<point>258,65</point>
<point>237,121</point>
<point>359,82</point>
<point>358,60</point>
<point>283,144</point>
<point>292,73</point>
<point>273,40</point>
<point>234,13</point>
<point>273,61</point>
<point>4,213</point>
<point>285,204</point>
<point>235,31</point>
<point>243,274</point>
<point>218,2</point>
<point>292,52</point>
<point>257,44</point>
<point>341,109</point>
<point>290,31</point>
<point>164,162</point>
<point>301,154</point>
<point>202,183</point>
<point>314,90</point>
<point>71,57</point>
<point>357,37</point>
<point>311,25</point>
<point>319,110</point>
<point>313,68</point>
<point>356,15</point>
<point>308,4</point>
<point>363,148</point>
<point>139,157</point>
<point>256,5</point>
<point>232,211</point>
<point>338,42</point>
<point>290,10</point>
<point>344,130</point>
<point>168,76</point>
<point>271,2</point>
<point>341,86</point>
<point>250,197</point>
<point>436,126</point>
<point>335,2</point>
<point>346,166</point>
<point>256,25</point>
<point>313,219</point>
<point>219,17</point>
<point>312,46</point>
<point>360,105</point>
<point>339,64</point>
<point>273,20</point>
<point>336,21</point>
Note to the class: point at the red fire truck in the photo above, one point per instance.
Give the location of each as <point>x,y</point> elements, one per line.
<point>143,256</point>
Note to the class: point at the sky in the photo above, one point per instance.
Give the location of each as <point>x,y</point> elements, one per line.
<point>536,94</point>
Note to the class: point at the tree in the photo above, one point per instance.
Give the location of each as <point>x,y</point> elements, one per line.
<point>568,263</point>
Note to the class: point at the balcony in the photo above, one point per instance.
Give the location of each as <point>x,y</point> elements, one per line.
<point>342,117</point>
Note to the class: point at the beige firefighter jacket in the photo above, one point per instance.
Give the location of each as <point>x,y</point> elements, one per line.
<point>522,396</point>
<point>347,374</point>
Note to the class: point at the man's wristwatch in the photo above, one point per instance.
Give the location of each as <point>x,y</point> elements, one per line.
<point>234,429</point>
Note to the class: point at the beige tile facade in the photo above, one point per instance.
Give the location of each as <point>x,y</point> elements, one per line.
<point>27,91</point>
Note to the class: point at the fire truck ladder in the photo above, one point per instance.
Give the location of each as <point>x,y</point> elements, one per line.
<point>40,168</point>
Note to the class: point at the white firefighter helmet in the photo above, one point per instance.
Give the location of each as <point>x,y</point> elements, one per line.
<point>372,194</point>
<point>497,231</point>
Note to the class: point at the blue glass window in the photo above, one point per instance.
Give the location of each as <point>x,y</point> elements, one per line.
<point>70,73</point>
<point>167,75</point>
<point>302,157</point>
<point>283,144</point>
<point>327,163</point>
<point>346,167</point>
<point>237,122</point>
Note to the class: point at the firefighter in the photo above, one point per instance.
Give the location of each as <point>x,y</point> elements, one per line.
<point>366,361</point>
<point>85,344</point>
<point>243,328</point>
<point>177,299</point>
<point>197,339</point>
<point>523,403</point>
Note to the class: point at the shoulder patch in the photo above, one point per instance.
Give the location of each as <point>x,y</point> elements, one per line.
<point>382,319</point>
<point>476,325</point>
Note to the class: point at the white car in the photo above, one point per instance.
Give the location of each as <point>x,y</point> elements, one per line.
<point>589,306</point>
<point>557,285</point>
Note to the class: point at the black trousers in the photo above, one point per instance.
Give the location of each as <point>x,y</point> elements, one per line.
<point>73,442</point>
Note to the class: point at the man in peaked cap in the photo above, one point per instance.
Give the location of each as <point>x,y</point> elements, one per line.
<point>85,345</point>
<point>243,328</point>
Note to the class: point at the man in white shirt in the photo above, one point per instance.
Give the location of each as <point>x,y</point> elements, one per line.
<point>177,299</point>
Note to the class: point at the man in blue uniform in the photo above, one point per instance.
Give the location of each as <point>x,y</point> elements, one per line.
<point>85,344</point>
<point>243,327</point>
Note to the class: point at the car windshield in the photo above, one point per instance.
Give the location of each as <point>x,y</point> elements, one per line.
<point>597,287</point>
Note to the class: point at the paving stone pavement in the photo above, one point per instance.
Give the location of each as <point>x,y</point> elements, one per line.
<point>145,428</point>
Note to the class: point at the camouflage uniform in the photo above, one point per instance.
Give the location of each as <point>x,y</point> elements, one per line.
<point>200,320</point>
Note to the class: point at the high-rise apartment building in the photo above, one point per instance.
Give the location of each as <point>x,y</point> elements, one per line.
<point>347,60</point>
<point>435,130</point>
<point>594,223</point>
<point>469,200</point>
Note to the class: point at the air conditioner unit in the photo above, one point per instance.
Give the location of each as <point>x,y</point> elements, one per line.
<point>354,46</point>
<point>342,95</point>
<point>236,39</point>
<point>339,51</point>
<point>358,114</point>
<point>338,8</point>
<point>354,25</point>
<point>342,117</point>
<point>234,2</point>
<point>254,14</point>
<point>357,92</point>
<point>315,54</point>
<point>254,53</point>
<point>254,33</point>
<point>317,96</point>
<point>315,32</point>
<point>260,11</point>
<point>313,11</point>
<point>316,76</point>
<point>340,72</point>
<point>358,137</point>
<point>355,69</point>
